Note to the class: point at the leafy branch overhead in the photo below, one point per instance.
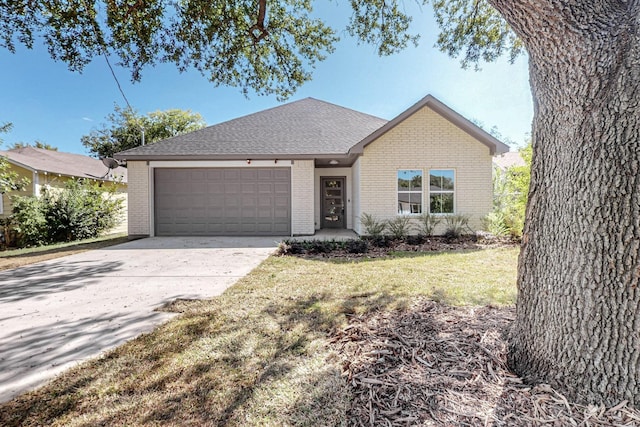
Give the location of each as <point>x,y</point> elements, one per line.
<point>269,47</point>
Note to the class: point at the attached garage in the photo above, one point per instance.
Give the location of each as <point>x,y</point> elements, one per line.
<point>248,201</point>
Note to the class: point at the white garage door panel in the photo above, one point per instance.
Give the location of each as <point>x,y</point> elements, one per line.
<point>222,201</point>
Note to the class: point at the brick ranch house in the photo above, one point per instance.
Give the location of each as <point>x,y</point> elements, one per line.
<point>309,165</point>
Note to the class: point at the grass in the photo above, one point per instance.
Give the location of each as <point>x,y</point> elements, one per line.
<point>13,258</point>
<point>259,354</point>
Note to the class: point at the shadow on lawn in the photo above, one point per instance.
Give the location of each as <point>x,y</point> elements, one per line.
<point>216,365</point>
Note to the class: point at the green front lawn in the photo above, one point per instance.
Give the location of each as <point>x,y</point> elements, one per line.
<point>259,354</point>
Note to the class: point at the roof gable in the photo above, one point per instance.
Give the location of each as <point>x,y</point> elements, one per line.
<point>304,128</point>
<point>494,145</point>
<point>56,162</point>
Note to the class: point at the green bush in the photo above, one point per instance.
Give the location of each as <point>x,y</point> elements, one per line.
<point>456,225</point>
<point>372,226</point>
<point>496,224</point>
<point>357,246</point>
<point>399,227</point>
<point>511,188</point>
<point>29,221</point>
<point>81,210</point>
<point>427,223</point>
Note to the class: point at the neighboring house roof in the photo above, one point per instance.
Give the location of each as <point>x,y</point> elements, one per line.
<point>506,160</point>
<point>495,146</point>
<point>57,162</point>
<point>308,128</point>
<point>305,128</point>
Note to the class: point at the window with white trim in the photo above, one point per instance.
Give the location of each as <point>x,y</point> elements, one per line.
<point>409,191</point>
<point>1,203</point>
<point>442,191</point>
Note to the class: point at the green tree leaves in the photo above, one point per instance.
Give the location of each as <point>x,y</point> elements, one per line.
<point>219,38</point>
<point>475,31</point>
<point>266,46</point>
<point>382,23</point>
<point>125,127</point>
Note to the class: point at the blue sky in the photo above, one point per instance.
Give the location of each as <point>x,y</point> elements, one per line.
<point>46,102</point>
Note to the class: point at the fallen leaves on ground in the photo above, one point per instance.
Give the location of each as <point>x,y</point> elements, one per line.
<point>434,365</point>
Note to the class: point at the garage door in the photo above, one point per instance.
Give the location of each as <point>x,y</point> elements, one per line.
<point>222,201</point>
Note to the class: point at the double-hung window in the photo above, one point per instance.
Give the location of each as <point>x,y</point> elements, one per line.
<point>409,191</point>
<point>441,191</point>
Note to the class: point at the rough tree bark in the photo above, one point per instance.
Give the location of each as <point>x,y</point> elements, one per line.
<point>578,308</point>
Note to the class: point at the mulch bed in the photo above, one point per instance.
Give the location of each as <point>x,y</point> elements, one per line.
<point>434,365</point>
<point>429,244</point>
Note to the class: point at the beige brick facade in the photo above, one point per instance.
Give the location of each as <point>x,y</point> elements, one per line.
<point>425,141</point>
<point>302,197</point>
<point>138,215</point>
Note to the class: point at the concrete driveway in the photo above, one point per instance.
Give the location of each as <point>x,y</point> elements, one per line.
<point>57,313</point>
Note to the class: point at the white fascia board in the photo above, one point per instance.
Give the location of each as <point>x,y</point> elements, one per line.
<point>219,163</point>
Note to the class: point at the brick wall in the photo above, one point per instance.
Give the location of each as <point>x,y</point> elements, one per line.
<point>426,141</point>
<point>302,197</point>
<point>138,200</point>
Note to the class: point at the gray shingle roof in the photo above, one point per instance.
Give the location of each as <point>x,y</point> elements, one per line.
<point>57,162</point>
<point>302,128</point>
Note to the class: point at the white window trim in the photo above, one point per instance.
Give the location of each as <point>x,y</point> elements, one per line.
<point>455,186</point>
<point>421,192</point>
<point>1,203</point>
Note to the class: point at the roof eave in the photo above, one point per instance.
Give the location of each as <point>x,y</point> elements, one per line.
<point>495,146</point>
<point>189,157</point>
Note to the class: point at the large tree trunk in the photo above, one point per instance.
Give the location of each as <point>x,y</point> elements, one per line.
<point>578,311</point>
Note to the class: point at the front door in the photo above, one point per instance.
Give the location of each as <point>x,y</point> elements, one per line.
<point>332,194</point>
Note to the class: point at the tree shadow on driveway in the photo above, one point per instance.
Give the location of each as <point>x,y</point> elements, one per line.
<point>39,280</point>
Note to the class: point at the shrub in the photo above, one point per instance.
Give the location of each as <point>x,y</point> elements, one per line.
<point>511,187</point>
<point>399,227</point>
<point>357,246</point>
<point>496,224</point>
<point>322,246</point>
<point>29,221</point>
<point>81,210</point>
<point>415,240</point>
<point>456,225</point>
<point>427,223</point>
<point>372,226</point>
<point>380,241</point>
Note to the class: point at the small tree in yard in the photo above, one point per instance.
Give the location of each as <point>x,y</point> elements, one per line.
<point>81,210</point>
<point>511,187</point>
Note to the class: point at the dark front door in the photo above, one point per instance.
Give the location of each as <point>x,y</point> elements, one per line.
<point>332,193</point>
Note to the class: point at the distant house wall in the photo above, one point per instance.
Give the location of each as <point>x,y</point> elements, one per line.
<point>7,206</point>
<point>426,141</point>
